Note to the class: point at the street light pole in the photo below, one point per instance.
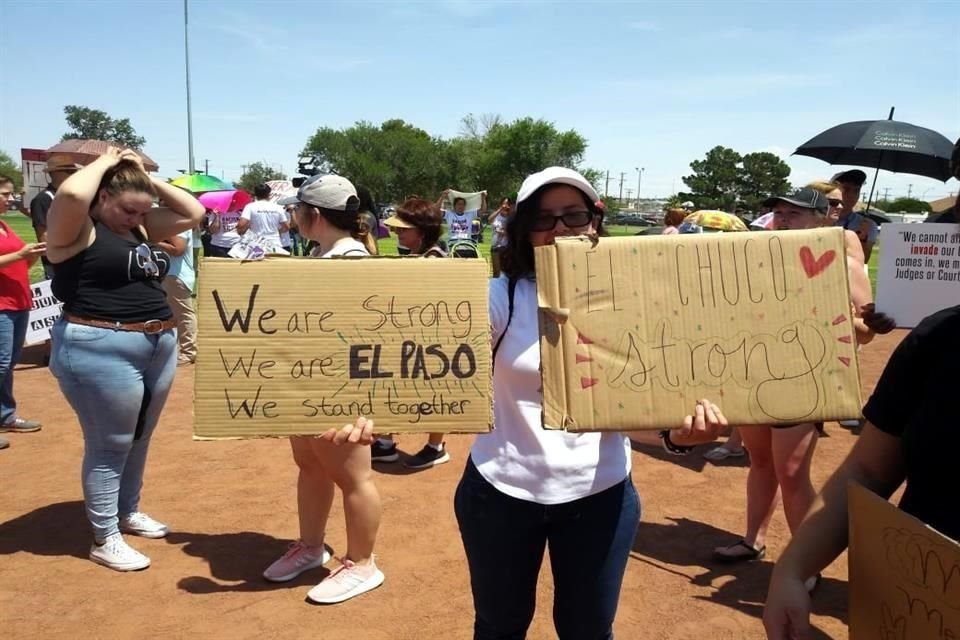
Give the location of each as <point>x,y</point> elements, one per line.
<point>186,57</point>
<point>640,171</point>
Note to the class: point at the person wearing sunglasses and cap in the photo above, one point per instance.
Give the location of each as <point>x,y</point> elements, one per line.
<point>115,346</point>
<point>850,183</point>
<point>781,456</point>
<point>328,213</point>
<point>526,488</point>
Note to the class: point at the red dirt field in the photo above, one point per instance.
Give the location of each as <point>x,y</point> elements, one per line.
<point>232,510</point>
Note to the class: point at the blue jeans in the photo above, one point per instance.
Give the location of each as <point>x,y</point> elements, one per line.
<point>117,382</point>
<point>13,329</point>
<point>589,541</point>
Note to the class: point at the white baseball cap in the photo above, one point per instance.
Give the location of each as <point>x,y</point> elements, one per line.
<point>326,192</point>
<point>556,175</point>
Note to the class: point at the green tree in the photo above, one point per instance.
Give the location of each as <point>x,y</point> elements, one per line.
<point>93,124</point>
<point>715,181</point>
<point>258,173</point>
<point>673,202</point>
<point>906,205</point>
<point>11,169</point>
<point>761,175</point>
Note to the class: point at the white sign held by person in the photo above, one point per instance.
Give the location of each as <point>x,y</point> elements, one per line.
<point>919,270</point>
<point>45,311</point>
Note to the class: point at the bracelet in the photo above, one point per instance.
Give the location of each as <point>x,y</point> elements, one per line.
<point>670,447</point>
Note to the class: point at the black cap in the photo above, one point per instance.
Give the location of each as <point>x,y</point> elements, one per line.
<point>851,176</point>
<point>805,198</point>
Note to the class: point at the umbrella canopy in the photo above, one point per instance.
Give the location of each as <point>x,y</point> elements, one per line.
<point>225,201</point>
<point>201,183</point>
<point>896,146</point>
<point>86,151</point>
<point>717,220</point>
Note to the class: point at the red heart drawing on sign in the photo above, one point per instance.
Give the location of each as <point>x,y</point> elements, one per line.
<point>815,266</point>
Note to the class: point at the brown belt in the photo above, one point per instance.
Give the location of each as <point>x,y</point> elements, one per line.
<point>150,327</point>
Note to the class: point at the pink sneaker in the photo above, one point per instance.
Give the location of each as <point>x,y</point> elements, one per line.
<point>346,582</point>
<point>298,558</point>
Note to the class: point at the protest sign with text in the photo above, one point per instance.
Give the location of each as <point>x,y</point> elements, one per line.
<point>904,575</point>
<point>635,330</point>
<point>44,313</point>
<point>296,346</point>
<point>919,270</point>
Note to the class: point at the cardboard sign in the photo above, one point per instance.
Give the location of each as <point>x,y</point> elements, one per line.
<point>635,330</point>
<point>297,346</point>
<point>904,576</point>
<point>919,270</point>
<point>44,313</point>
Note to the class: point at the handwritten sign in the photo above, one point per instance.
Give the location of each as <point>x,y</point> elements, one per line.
<point>635,330</point>
<point>296,346</point>
<point>919,270</point>
<point>44,313</point>
<point>904,576</point>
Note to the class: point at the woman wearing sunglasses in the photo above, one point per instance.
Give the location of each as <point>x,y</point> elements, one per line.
<point>115,346</point>
<point>526,488</point>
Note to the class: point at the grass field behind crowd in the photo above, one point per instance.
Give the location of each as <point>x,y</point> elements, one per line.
<point>388,246</point>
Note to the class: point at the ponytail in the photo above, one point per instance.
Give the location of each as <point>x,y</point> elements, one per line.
<point>364,234</point>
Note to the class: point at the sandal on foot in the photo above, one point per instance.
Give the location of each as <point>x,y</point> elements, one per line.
<point>722,453</point>
<point>748,553</point>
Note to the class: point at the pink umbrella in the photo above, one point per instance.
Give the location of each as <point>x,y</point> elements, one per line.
<point>225,201</point>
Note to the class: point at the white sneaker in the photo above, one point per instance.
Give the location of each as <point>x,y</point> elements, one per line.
<point>118,555</point>
<point>347,581</point>
<point>298,558</point>
<point>140,524</point>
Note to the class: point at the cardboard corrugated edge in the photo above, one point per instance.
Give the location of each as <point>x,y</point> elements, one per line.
<point>915,608</point>
<point>556,411</point>
<point>551,315</point>
<point>280,257</point>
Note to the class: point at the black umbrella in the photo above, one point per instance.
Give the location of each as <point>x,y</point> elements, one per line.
<point>896,146</point>
<point>888,144</point>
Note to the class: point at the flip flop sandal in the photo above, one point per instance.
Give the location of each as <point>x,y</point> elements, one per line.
<point>752,553</point>
<point>722,453</point>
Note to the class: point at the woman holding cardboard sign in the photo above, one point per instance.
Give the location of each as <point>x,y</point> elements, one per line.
<point>781,456</point>
<point>525,488</point>
<point>328,213</point>
<point>115,346</point>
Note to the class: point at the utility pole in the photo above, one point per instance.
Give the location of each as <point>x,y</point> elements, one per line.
<point>909,190</point>
<point>886,194</point>
<point>622,174</point>
<point>606,187</point>
<point>629,193</point>
<point>640,171</point>
<point>186,58</point>
<point>206,167</point>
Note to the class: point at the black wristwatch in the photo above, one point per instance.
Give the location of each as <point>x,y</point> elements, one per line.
<point>670,447</point>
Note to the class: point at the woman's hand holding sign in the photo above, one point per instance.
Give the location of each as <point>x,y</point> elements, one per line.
<point>703,426</point>
<point>360,432</point>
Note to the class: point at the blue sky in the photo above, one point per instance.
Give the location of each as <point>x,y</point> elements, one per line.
<point>648,84</point>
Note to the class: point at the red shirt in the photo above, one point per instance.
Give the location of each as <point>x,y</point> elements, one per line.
<point>15,294</point>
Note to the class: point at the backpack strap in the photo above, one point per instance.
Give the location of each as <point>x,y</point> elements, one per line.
<point>511,289</point>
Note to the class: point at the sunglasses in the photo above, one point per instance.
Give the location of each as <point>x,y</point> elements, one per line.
<point>834,203</point>
<point>150,266</point>
<point>546,221</point>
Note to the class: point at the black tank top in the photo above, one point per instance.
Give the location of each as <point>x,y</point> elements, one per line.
<point>114,279</point>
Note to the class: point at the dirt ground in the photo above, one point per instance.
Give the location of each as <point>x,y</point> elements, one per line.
<point>231,507</point>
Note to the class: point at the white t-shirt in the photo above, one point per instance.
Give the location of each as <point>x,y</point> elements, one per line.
<point>265,219</point>
<point>459,225</point>
<point>519,457</point>
<point>345,247</point>
<point>227,236</point>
